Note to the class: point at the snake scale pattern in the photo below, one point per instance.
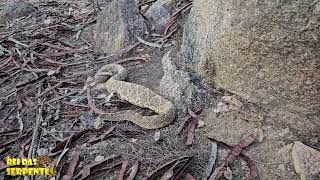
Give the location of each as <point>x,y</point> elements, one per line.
<point>135,94</point>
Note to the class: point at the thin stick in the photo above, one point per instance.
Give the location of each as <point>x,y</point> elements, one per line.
<point>8,115</point>
<point>212,160</point>
<point>18,42</point>
<point>50,89</point>
<point>134,170</point>
<point>152,44</point>
<point>32,149</point>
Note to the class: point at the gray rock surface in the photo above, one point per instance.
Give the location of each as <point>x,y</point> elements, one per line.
<point>265,51</point>
<point>274,160</point>
<point>181,88</point>
<point>228,127</point>
<point>307,126</point>
<point>158,14</point>
<point>117,26</point>
<point>306,161</point>
<point>270,152</point>
<point>10,10</point>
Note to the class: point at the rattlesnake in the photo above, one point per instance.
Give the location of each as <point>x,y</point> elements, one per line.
<point>136,94</point>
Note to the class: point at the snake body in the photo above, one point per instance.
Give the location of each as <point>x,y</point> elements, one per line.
<point>135,94</point>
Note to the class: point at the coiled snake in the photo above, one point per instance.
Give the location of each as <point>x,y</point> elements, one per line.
<point>136,94</point>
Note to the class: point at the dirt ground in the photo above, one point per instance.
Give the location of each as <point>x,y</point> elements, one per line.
<point>46,58</point>
<point>41,69</point>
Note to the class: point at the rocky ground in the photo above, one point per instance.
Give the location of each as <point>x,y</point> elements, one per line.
<point>50,49</point>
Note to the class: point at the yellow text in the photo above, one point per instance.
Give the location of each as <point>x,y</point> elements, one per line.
<point>31,171</point>
<point>21,162</point>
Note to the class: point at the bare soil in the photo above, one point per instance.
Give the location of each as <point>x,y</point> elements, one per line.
<point>47,58</point>
<point>40,55</point>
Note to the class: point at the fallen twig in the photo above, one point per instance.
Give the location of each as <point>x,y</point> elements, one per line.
<point>180,170</point>
<point>253,169</point>
<point>236,150</point>
<point>73,104</point>
<point>164,38</point>
<point>57,47</point>
<point>8,115</point>
<point>153,173</point>
<point>123,170</point>
<point>218,172</point>
<point>50,89</point>
<point>186,120</point>
<point>175,16</point>
<point>189,177</point>
<point>19,96</point>
<point>72,138</point>
<point>36,131</point>
<point>15,139</point>
<point>212,160</point>
<point>101,137</point>
<point>60,163</point>
<point>32,82</point>
<point>73,164</point>
<point>60,97</point>
<point>88,169</point>
<point>124,60</point>
<point>35,134</point>
<point>102,171</point>
<point>134,170</point>
<point>151,44</point>
<point>190,133</point>
<point>169,174</point>
<point>54,62</point>
<point>3,64</point>
<point>18,42</point>
<point>23,146</point>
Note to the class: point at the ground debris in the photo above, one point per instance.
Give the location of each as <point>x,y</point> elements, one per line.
<point>123,170</point>
<point>73,164</point>
<point>70,140</point>
<point>235,152</point>
<point>90,170</point>
<point>134,170</point>
<point>169,173</point>
<point>95,139</point>
<point>45,55</point>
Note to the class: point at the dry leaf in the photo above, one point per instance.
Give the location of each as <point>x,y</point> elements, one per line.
<point>134,170</point>
<point>122,170</point>
<point>73,164</point>
<point>236,150</point>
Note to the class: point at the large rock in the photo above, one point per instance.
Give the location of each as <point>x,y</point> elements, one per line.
<point>228,127</point>
<point>158,14</point>
<point>10,10</point>
<point>265,51</point>
<point>270,149</point>
<point>275,161</point>
<point>271,153</point>
<point>181,88</point>
<point>306,161</point>
<point>117,26</point>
